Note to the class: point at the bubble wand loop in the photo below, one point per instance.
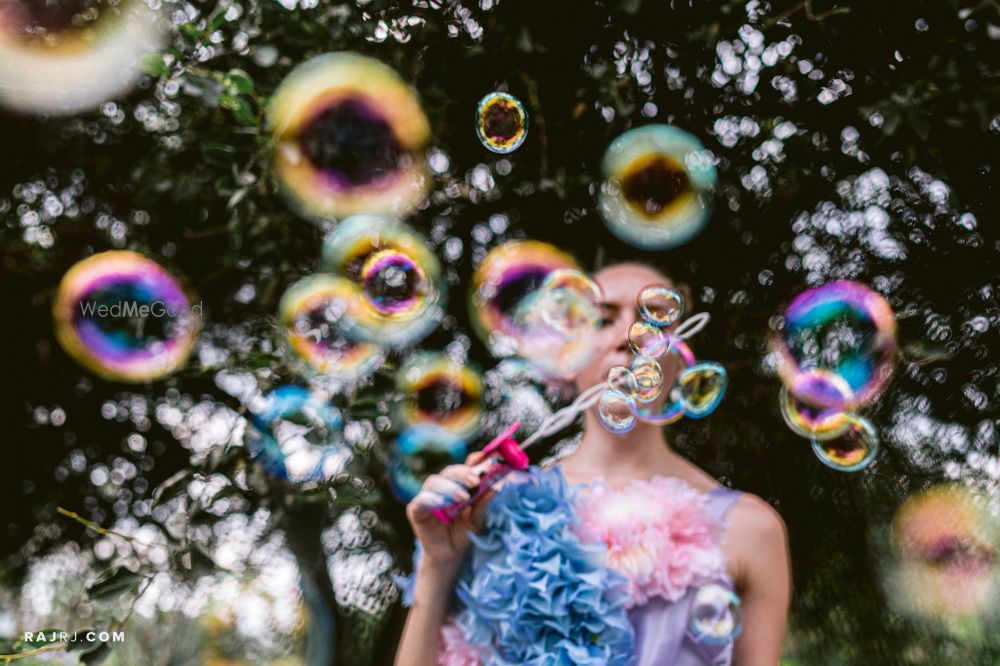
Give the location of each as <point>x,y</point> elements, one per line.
<point>504,455</point>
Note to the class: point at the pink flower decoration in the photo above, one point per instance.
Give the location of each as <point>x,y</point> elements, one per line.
<point>456,651</point>
<point>658,534</point>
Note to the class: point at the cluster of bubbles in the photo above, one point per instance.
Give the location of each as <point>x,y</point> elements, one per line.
<point>944,557</point>
<point>349,136</point>
<point>658,185</point>
<point>438,390</point>
<point>70,56</point>
<point>501,122</point>
<point>836,350</point>
<point>297,436</point>
<point>531,299</point>
<point>663,382</point>
<point>125,318</point>
<point>716,615</point>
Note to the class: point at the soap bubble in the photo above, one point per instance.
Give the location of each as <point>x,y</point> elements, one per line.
<point>716,616</point>
<point>615,412</point>
<point>657,188</point>
<point>811,422</point>
<point>944,563</point>
<point>576,299</point>
<point>622,380</point>
<point>59,58</point>
<point>438,390</point>
<point>851,450</point>
<point>421,451</point>
<point>702,388</point>
<point>501,122</point>
<point>309,313</point>
<point>673,363</point>
<point>843,327</point>
<point>648,377</point>
<point>648,340</point>
<point>660,305</point>
<point>298,437</point>
<point>398,277</point>
<point>124,317</point>
<point>349,135</point>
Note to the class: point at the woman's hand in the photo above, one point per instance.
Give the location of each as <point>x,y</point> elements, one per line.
<point>446,545</point>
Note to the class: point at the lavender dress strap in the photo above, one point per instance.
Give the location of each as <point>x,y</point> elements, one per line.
<point>661,636</point>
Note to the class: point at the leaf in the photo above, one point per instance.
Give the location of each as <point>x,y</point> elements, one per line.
<point>240,80</point>
<point>96,656</point>
<point>111,583</point>
<point>217,152</point>
<point>154,65</point>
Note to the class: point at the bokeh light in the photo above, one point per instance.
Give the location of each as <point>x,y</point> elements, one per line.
<point>441,391</point>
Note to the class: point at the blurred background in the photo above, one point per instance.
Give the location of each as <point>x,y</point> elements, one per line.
<point>852,140</point>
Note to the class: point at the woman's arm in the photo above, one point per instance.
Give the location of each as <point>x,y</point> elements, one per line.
<point>758,544</point>
<point>444,548</point>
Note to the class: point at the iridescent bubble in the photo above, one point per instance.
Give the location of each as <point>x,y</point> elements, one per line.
<point>660,305</point>
<point>508,274</point>
<point>811,422</point>
<point>349,135</point>
<point>851,450</point>
<point>648,377</point>
<point>309,313</point>
<point>421,451</point>
<point>716,616</point>
<point>398,278</point>
<point>394,285</point>
<point>648,340</point>
<point>945,557</point>
<point>438,390</point>
<point>501,122</point>
<point>574,300</point>
<point>125,318</point>
<point>673,364</point>
<point>622,380</point>
<point>298,437</point>
<point>69,56</point>
<point>843,327</point>
<point>657,190</point>
<point>556,329</point>
<point>702,388</point>
<point>615,412</point>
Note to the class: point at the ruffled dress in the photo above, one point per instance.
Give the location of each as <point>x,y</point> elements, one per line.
<point>589,575</point>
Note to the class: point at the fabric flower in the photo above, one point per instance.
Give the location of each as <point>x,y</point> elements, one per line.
<point>535,594</point>
<point>658,534</point>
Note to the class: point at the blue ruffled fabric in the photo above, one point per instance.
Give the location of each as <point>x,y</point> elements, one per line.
<point>533,593</point>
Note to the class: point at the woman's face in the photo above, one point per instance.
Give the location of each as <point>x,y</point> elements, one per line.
<point>621,283</point>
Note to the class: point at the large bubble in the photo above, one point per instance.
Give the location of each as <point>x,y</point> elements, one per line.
<point>716,615</point>
<point>421,451</point>
<point>944,564</point>
<point>124,317</point>
<point>67,56</point>
<point>348,138</point>
<point>297,436</point>
<point>852,449</point>
<point>501,122</point>
<point>399,283</point>
<point>843,327</point>
<point>657,189</point>
<point>309,314</point>
<point>506,276</point>
<point>660,305</point>
<point>439,390</point>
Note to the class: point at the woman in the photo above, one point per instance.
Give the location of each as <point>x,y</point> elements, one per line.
<point>754,543</point>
